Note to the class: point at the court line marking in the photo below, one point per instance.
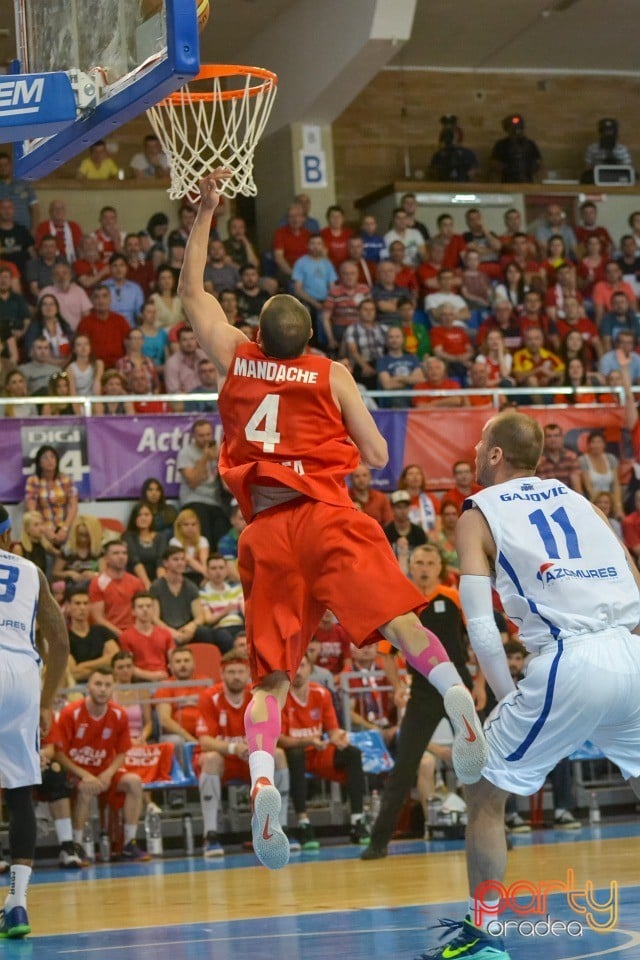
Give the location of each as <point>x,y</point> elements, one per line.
<point>633,941</point>
<point>257,936</point>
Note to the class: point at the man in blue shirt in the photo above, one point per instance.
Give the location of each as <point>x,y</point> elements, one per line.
<point>397,370</point>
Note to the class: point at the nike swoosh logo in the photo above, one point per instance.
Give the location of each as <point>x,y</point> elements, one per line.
<point>472,737</point>
<point>265,833</point>
<point>450,952</point>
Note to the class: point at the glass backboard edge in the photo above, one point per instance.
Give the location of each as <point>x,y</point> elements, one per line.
<point>180,65</point>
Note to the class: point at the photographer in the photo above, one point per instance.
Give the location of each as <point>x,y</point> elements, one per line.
<point>452,163</point>
<point>517,157</point>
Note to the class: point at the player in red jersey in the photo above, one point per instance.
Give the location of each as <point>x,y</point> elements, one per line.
<point>91,738</point>
<point>225,754</point>
<point>295,427</point>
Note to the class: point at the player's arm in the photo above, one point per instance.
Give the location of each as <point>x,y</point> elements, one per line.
<point>360,424</point>
<point>217,338</point>
<point>476,550</point>
<point>53,626</point>
<point>169,725</point>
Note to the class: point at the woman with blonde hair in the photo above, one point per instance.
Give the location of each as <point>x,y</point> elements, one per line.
<point>80,560</point>
<point>15,385</point>
<point>33,543</point>
<point>187,534</point>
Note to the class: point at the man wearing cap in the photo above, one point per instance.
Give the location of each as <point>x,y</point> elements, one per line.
<point>606,150</point>
<point>402,534</point>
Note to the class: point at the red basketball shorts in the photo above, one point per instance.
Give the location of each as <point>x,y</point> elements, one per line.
<point>305,557</point>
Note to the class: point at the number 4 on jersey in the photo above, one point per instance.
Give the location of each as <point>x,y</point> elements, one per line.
<point>266,412</point>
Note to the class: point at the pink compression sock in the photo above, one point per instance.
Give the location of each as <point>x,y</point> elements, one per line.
<point>432,655</point>
<point>263,734</point>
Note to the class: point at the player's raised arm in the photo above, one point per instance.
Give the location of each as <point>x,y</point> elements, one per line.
<point>216,336</point>
<point>360,425</point>
<point>475,548</point>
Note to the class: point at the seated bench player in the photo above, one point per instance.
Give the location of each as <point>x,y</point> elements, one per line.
<point>91,738</point>
<point>308,714</point>
<point>225,754</point>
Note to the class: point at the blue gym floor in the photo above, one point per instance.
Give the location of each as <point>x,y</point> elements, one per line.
<point>356,934</point>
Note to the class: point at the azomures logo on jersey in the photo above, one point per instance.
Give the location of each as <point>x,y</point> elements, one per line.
<point>550,572</point>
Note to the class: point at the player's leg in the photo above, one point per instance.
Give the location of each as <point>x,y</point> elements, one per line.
<point>424,652</point>
<point>212,766</point>
<point>130,785</point>
<point>276,602</point>
<point>14,922</point>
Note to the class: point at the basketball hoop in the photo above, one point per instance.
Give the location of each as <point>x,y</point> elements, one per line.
<point>219,126</point>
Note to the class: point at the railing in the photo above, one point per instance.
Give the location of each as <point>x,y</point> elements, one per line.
<point>495,393</point>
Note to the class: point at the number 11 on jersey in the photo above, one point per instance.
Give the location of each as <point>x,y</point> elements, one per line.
<point>267,412</point>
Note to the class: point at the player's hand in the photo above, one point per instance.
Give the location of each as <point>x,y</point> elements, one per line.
<point>45,720</point>
<point>242,751</point>
<point>319,744</point>
<point>340,739</point>
<point>210,189</point>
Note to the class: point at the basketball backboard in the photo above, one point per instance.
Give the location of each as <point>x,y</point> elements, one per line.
<point>122,57</point>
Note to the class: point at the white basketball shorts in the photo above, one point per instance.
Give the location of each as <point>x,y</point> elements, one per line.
<point>583,688</point>
<point>19,721</point>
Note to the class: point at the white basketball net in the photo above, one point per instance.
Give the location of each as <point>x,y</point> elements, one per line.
<point>199,135</point>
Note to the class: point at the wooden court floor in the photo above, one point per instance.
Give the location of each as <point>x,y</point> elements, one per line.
<point>176,909</point>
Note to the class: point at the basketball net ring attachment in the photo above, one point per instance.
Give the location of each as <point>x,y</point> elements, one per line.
<point>216,127</point>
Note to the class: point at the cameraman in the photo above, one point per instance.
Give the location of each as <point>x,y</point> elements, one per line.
<point>452,163</point>
<point>606,151</point>
<point>517,157</point>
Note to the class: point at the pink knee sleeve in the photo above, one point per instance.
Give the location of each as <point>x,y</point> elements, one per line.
<point>263,734</point>
<point>433,654</point>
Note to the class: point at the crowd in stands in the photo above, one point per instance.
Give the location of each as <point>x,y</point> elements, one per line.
<point>97,313</point>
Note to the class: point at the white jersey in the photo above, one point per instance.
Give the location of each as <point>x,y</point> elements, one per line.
<point>19,590</point>
<point>560,570</point>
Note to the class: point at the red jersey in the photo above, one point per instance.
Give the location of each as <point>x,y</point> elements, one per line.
<point>184,709</point>
<point>283,428</point>
<point>91,743</point>
<point>335,647</point>
<point>149,650</point>
<point>453,340</point>
<point>117,596</point>
<point>311,718</point>
<point>219,717</point>
<point>337,244</point>
<point>293,245</point>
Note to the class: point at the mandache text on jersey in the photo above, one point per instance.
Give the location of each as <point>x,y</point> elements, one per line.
<point>272,371</point>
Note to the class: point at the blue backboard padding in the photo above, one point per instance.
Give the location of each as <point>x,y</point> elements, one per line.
<point>38,103</point>
<point>181,64</point>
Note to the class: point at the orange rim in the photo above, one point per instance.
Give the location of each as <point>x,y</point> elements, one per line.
<point>210,72</point>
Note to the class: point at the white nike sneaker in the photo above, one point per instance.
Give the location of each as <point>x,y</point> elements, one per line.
<point>270,842</point>
<point>470,752</point>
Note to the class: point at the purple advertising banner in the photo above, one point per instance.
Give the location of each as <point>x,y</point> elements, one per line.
<point>109,458</point>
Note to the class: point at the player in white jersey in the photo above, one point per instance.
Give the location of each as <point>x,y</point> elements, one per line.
<point>24,708</point>
<point>574,592</point>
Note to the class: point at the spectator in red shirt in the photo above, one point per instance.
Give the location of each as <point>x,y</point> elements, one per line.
<point>450,342</point>
<point>591,269</point>
<point>464,484</point>
<point>308,714</point>
<point>90,269</point>
<point>503,319</point>
<point>454,242</point>
<point>148,642</point>
<point>111,593</point>
<point>341,308</point>
<point>436,377</point>
<point>91,739</point>
<point>67,232</point>
<point>513,229</point>
<point>225,754</point>
<point>565,286</point>
<point>366,269</point>
<point>335,644</point>
<point>372,502</point>
<point>533,316</point>
<point>177,707</point>
<point>428,272</point>
<point>605,289</point>
<point>290,242</point>
<point>405,275</point>
<point>336,236</point>
<point>588,228</point>
<point>574,319</point>
<point>107,330</point>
